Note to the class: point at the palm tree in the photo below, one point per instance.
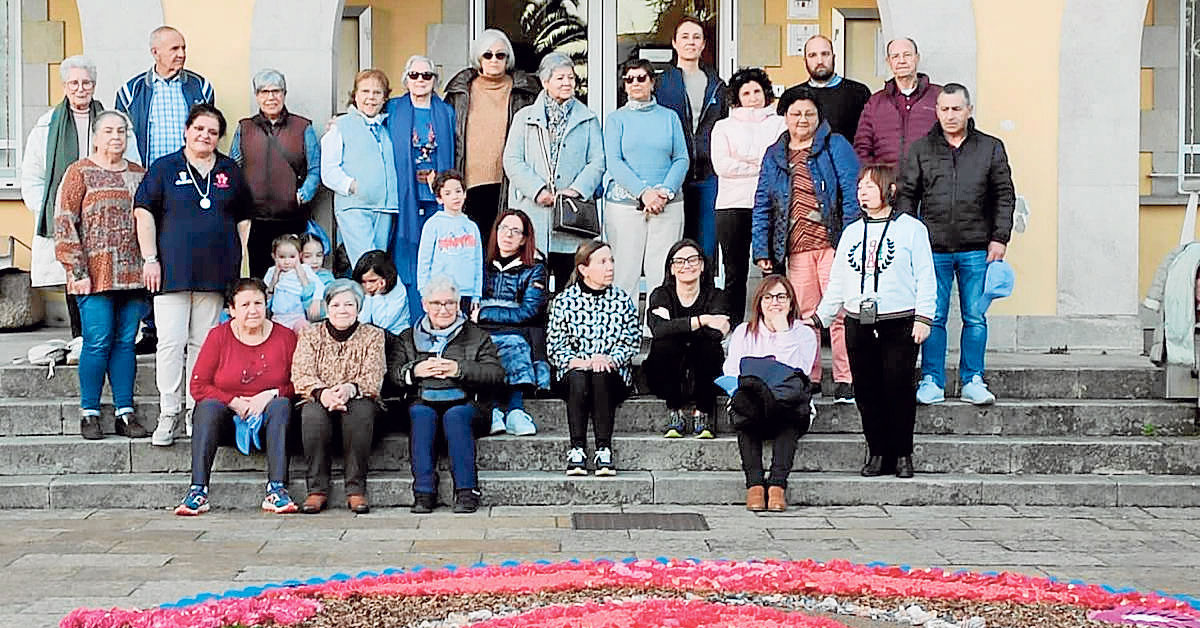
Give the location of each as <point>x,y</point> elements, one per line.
<point>555,25</point>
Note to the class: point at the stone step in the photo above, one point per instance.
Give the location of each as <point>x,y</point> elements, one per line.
<point>245,490</point>
<point>1043,417</point>
<point>66,455</point>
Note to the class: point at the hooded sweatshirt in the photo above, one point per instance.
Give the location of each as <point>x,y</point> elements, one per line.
<point>738,144</point>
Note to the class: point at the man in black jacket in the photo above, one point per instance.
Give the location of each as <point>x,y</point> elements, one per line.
<point>957,180</point>
<point>841,99</point>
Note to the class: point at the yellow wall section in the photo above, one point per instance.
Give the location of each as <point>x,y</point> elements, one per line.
<point>65,11</point>
<point>792,71</point>
<point>1158,231</point>
<point>1032,144</point>
<point>399,32</point>
<point>15,220</point>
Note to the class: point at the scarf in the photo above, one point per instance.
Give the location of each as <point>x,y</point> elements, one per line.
<point>340,335</point>
<point>430,340</point>
<point>556,123</point>
<point>62,150</point>
<point>640,105</point>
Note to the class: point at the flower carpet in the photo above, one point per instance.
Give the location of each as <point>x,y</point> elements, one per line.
<point>662,592</point>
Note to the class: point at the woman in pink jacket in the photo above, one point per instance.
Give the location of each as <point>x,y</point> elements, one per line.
<point>738,144</point>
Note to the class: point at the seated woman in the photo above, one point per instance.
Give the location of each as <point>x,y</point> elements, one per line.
<point>591,338</point>
<point>688,318</point>
<point>386,303</point>
<point>514,311</point>
<point>244,368</point>
<point>338,371</point>
<point>774,329</point>
<point>446,364</point>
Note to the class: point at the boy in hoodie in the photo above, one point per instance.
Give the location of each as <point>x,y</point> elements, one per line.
<point>450,242</point>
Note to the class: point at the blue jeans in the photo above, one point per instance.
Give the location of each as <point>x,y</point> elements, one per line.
<point>110,323</point>
<point>362,230</point>
<point>700,215</point>
<point>517,359</point>
<point>969,267</point>
<point>212,424</point>
<point>460,443</point>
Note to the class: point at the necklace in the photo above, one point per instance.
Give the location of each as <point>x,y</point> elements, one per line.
<point>204,202</point>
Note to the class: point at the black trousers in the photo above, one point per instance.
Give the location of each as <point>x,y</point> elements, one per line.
<point>317,425</point>
<point>560,267</point>
<point>681,369</point>
<point>594,395</point>
<point>733,234</point>
<point>783,451</point>
<point>262,233</point>
<point>882,359</point>
<point>482,206</point>
<point>73,315</point>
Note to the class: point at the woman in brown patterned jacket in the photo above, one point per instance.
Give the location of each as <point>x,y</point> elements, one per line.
<point>337,371</point>
<point>95,240</point>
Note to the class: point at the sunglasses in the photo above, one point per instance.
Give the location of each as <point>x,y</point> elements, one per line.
<point>636,78</point>
<point>499,55</point>
<point>428,76</point>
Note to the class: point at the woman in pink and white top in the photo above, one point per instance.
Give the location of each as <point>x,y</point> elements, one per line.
<point>738,144</point>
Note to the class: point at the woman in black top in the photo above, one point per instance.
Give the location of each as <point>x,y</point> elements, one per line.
<point>688,317</point>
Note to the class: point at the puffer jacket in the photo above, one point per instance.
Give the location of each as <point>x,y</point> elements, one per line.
<point>891,122</point>
<point>834,170</point>
<point>965,197</point>
<point>479,368</point>
<point>514,301</point>
<point>671,93</point>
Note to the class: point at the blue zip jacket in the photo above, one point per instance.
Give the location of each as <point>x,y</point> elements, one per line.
<point>672,94</point>
<point>133,99</point>
<point>399,124</point>
<point>834,169</point>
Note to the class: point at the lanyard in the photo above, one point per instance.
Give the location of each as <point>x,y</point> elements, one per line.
<point>862,284</point>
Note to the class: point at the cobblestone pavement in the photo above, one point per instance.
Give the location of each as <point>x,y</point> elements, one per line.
<point>55,561</point>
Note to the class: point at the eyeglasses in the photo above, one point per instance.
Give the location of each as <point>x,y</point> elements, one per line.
<point>428,76</point>
<point>271,91</point>
<point>680,262</point>
<point>808,115</point>
<point>510,231</point>
<point>777,297</point>
<point>500,56</point>
<point>448,306</point>
<point>636,78</point>
<point>85,84</point>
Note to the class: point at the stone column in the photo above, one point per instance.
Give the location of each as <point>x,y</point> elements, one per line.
<point>945,34</point>
<point>449,41</point>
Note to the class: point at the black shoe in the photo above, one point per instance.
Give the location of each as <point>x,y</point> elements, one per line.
<point>147,345</point>
<point>873,468</point>
<point>843,392</point>
<point>89,428</point>
<point>423,503</point>
<point>904,467</point>
<point>814,390</point>
<point>466,500</point>
<point>128,425</point>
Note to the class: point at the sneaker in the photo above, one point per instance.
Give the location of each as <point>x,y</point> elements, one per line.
<point>164,433</point>
<point>676,425</point>
<point>976,392</point>
<point>497,422</point>
<point>128,425</point>
<point>700,425</point>
<point>89,427</point>
<point>928,392</point>
<point>194,503</point>
<point>466,500</point>
<point>277,499</point>
<point>814,390</point>
<point>423,503</point>
<point>603,462</point>
<point>519,423</point>
<point>843,392</point>
<point>576,461</point>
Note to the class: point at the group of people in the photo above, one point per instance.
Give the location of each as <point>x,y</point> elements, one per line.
<point>460,294</point>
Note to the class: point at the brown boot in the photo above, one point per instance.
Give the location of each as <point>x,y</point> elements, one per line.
<point>756,499</point>
<point>776,499</point>
<point>314,503</point>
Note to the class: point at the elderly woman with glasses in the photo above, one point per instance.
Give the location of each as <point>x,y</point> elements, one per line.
<point>421,126</point>
<point>280,157</point>
<point>486,97</point>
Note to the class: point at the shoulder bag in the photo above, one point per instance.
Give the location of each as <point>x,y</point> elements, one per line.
<point>575,216</point>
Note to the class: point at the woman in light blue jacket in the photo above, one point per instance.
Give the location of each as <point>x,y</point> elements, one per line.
<point>555,136</point>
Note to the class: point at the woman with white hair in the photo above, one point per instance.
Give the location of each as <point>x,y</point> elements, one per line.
<point>281,157</point>
<point>59,138</point>
<point>424,123</point>
<point>554,148</point>
<point>486,96</point>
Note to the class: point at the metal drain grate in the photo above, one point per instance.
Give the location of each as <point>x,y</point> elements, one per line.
<point>684,521</point>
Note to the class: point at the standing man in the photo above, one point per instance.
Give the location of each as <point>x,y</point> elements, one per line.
<point>959,180</point>
<point>157,103</point>
<point>900,113</point>
<point>698,96</point>
<point>841,99</point>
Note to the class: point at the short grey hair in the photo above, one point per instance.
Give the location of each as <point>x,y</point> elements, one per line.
<point>338,286</point>
<point>957,88</point>
<point>77,62</point>
<point>439,284</point>
<point>485,41</point>
<point>552,62</point>
<point>268,77</point>
<point>415,59</point>
<point>111,113</point>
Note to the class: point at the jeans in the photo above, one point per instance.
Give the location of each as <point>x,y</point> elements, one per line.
<point>882,358</point>
<point>699,199</point>
<point>184,320</point>
<point>783,451</point>
<point>212,424</point>
<point>362,230</point>
<point>455,422</point>
<point>109,322</point>
<point>262,234</point>
<point>733,232</point>
<point>357,427</point>
<point>404,254</point>
<point>970,267</point>
<point>596,395</point>
<point>517,359</point>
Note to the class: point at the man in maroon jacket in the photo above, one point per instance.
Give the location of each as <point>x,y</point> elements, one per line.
<point>900,113</point>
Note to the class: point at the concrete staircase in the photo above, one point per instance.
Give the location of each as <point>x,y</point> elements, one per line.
<point>1072,432</point>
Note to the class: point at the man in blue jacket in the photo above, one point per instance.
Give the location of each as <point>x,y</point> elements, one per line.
<point>698,96</point>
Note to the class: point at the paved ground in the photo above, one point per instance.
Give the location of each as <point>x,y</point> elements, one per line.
<point>55,561</point>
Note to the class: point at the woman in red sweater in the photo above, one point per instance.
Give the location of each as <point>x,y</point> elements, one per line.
<point>244,369</point>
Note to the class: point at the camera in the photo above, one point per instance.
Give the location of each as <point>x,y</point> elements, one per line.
<point>868,311</point>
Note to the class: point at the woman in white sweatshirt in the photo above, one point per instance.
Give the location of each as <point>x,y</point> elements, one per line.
<point>883,276</point>
<point>738,144</point>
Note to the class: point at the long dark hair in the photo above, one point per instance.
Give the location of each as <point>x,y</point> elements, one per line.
<point>528,250</point>
<point>756,309</point>
<point>706,276</point>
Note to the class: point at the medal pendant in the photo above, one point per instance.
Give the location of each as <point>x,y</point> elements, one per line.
<point>205,203</point>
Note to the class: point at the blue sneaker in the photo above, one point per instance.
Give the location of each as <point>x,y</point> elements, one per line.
<point>277,499</point>
<point>676,424</point>
<point>497,422</point>
<point>519,423</point>
<point>194,503</point>
<point>928,392</point>
<point>976,392</point>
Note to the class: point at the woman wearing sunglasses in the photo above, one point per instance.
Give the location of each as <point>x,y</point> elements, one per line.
<point>485,97</point>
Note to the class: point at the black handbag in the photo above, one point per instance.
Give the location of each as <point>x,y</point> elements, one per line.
<point>575,216</point>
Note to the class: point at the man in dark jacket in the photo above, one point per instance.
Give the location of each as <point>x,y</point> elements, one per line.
<point>698,96</point>
<point>900,113</point>
<point>957,180</point>
<point>841,99</point>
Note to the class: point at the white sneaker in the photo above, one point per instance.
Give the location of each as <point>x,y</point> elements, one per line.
<point>164,432</point>
<point>576,461</point>
<point>498,425</point>
<point>603,462</point>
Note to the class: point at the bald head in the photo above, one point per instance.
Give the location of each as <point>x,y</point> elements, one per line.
<point>903,59</point>
<point>819,58</point>
<point>169,50</point>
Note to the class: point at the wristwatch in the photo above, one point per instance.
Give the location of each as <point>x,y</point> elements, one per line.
<point>151,259</point>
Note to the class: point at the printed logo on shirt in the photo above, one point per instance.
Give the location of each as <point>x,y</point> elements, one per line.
<point>221,180</point>
<point>464,241</point>
<point>855,256</point>
<point>183,179</point>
